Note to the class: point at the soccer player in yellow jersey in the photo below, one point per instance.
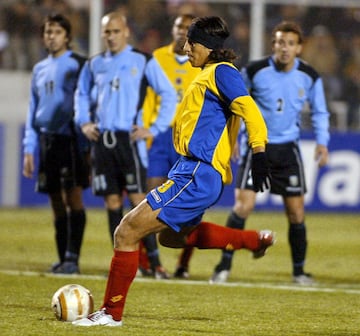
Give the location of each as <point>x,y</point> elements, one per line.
<point>205,131</point>
<point>162,155</point>
<point>175,63</point>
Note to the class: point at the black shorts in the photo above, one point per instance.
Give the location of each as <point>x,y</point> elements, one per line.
<point>286,168</point>
<point>61,165</point>
<point>116,165</point>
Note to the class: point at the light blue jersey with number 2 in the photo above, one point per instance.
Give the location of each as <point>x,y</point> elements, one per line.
<point>281,97</point>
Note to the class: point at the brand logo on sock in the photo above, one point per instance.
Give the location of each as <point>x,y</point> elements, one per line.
<point>229,247</point>
<point>116,298</point>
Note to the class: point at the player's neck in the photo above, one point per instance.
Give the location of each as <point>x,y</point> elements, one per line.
<point>284,67</point>
<point>178,49</point>
<point>58,53</point>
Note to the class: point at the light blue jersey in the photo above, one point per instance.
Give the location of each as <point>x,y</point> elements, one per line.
<point>51,107</point>
<point>111,91</point>
<point>281,97</point>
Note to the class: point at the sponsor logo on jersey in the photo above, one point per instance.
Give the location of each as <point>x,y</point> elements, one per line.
<point>134,71</point>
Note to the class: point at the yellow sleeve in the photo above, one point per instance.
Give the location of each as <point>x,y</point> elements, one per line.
<point>249,112</point>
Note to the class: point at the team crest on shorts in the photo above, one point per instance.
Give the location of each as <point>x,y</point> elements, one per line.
<point>42,180</point>
<point>130,178</point>
<point>293,180</point>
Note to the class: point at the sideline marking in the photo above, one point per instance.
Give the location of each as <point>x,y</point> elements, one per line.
<point>341,288</point>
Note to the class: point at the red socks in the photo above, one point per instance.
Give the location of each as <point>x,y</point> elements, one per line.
<point>212,236</point>
<point>185,256</point>
<point>124,265</point>
<point>123,270</point>
<point>143,258</point>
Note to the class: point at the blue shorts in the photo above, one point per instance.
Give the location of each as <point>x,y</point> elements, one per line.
<point>191,188</point>
<point>162,155</point>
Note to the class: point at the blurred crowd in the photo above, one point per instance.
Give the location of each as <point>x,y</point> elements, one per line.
<point>332,37</point>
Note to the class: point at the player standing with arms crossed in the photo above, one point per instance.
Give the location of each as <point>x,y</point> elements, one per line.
<point>63,169</point>
<point>205,131</point>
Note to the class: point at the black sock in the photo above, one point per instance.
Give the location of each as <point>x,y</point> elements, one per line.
<point>235,222</point>
<point>77,220</point>
<point>114,218</point>
<point>298,244</point>
<point>61,234</point>
<point>152,250</point>
<point>225,262</point>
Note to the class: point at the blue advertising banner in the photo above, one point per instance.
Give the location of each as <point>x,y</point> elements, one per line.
<point>335,187</point>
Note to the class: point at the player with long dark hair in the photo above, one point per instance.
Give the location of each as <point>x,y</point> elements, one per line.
<point>205,131</point>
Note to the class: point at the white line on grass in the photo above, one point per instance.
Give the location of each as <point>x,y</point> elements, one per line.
<point>315,288</point>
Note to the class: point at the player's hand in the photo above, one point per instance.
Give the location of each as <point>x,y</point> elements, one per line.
<point>236,152</point>
<point>139,133</point>
<point>28,166</point>
<point>260,172</point>
<point>91,131</point>
<point>321,155</point>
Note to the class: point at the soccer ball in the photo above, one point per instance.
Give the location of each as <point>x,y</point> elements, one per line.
<point>72,302</point>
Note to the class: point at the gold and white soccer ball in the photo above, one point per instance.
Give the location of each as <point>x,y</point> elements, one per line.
<point>72,302</point>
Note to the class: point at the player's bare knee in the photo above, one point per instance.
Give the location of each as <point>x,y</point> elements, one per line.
<point>243,209</point>
<point>125,234</point>
<point>296,217</point>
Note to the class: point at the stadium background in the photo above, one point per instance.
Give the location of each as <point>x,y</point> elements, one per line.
<point>332,32</point>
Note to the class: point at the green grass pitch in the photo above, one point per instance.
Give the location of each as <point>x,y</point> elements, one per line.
<point>258,300</point>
